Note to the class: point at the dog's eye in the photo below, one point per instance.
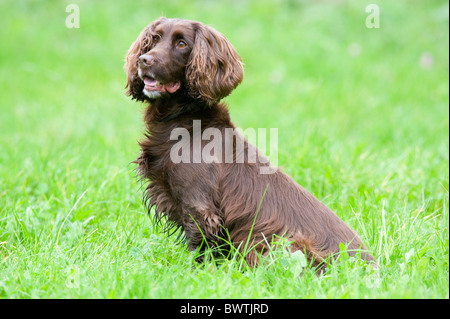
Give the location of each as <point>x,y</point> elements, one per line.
<point>155,38</point>
<point>181,44</point>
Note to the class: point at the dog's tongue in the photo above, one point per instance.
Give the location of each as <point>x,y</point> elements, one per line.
<point>150,82</point>
<point>154,85</point>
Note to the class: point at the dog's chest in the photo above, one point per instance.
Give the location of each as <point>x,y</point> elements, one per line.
<point>154,168</point>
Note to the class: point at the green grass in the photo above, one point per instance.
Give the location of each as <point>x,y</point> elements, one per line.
<point>366,134</point>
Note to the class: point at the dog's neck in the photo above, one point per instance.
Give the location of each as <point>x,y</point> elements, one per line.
<point>174,107</point>
<point>168,108</point>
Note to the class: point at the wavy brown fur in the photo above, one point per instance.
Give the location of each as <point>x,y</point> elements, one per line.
<point>217,200</point>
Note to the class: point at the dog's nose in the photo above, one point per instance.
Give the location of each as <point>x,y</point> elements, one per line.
<point>146,60</point>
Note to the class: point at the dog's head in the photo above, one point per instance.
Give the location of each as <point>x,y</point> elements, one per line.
<point>171,55</point>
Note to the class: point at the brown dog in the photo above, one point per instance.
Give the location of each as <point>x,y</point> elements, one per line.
<point>182,69</point>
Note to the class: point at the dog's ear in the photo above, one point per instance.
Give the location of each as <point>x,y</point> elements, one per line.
<point>214,68</point>
<point>142,45</point>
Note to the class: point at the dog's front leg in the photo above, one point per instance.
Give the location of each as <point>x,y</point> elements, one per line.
<point>203,229</point>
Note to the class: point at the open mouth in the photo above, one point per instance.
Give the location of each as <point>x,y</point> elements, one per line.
<point>151,84</point>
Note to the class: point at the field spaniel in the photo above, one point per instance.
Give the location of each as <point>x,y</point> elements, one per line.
<point>182,69</point>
